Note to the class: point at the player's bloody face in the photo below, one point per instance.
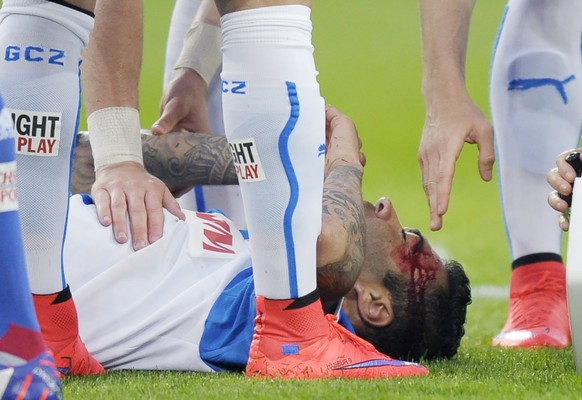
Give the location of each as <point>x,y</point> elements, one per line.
<point>390,245</point>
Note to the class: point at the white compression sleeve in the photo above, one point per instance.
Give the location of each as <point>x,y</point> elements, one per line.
<point>42,44</point>
<point>536,101</point>
<point>182,17</point>
<point>275,122</point>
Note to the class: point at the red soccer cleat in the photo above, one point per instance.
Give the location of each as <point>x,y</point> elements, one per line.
<point>302,343</point>
<point>57,316</point>
<point>538,308</point>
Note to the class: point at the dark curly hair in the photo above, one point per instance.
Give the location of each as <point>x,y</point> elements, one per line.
<point>430,329</point>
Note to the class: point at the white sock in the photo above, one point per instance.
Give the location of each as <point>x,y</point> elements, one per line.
<point>271,95</point>
<point>39,76</point>
<point>536,102</point>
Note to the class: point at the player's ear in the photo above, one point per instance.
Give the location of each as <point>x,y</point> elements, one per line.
<point>376,309</point>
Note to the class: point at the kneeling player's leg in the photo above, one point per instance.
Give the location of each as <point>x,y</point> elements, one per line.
<point>536,99</point>
<point>43,43</point>
<point>275,123</point>
<point>27,367</point>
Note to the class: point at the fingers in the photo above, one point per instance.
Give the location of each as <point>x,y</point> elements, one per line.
<point>561,179</point>
<point>437,187</point>
<point>437,183</point>
<point>557,181</point>
<point>486,152</point>
<point>111,210</point>
<point>125,191</point>
<point>172,205</point>
<point>342,140</point>
<point>565,170</point>
<point>139,218</point>
<point>172,114</point>
<point>557,203</point>
<point>564,223</point>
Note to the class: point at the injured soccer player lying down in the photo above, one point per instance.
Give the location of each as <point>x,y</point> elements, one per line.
<point>187,302</point>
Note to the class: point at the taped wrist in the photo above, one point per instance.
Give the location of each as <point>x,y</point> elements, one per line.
<point>114,134</point>
<point>201,50</point>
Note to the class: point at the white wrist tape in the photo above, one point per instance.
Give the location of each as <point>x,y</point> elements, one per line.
<point>115,137</point>
<point>201,50</point>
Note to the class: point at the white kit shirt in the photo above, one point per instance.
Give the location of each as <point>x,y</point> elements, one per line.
<point>147,309</point>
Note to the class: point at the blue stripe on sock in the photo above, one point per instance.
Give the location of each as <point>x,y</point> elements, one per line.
<point>71,156</point>
<point>294,187</point>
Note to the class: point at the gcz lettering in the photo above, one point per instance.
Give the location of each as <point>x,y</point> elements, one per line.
<point>35,54</point>
<point>37,133</point>
<point>235,87</point>
<point>8,200</point>
<point>246,160</point>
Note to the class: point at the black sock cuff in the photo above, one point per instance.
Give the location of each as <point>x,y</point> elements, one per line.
<point>304,301</point>
<point>535,258</point>
<point>74,7</point>
<point>63,296</point>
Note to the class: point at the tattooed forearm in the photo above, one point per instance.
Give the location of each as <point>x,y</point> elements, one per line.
<point>180,160</point>
<point>184,160</point>
<point>83,174</point>
<point>343,209</point>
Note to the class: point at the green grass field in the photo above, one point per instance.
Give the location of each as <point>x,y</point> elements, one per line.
<point>368,55</point>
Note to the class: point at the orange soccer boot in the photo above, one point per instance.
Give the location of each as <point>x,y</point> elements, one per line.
<point>538,308</point>
<point>294,341</point>
<point>57,316</point>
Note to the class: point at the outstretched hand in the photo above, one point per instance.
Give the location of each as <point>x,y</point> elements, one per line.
<point>445,131</point>
<point>125,190</point>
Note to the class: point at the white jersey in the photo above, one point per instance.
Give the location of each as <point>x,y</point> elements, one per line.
<point>185,302</point>
<point>147,309</point>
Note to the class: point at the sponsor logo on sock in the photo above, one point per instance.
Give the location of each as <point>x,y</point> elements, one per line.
<point>247,162</point>
<point>37,133</point>
<point>532,83</point>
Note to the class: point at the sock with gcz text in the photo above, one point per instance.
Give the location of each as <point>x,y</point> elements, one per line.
<point>274,119</point>
<point>39,77</point>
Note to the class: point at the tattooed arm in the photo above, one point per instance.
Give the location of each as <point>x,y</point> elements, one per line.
<point>340,247</point>
<point>181,160</point>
